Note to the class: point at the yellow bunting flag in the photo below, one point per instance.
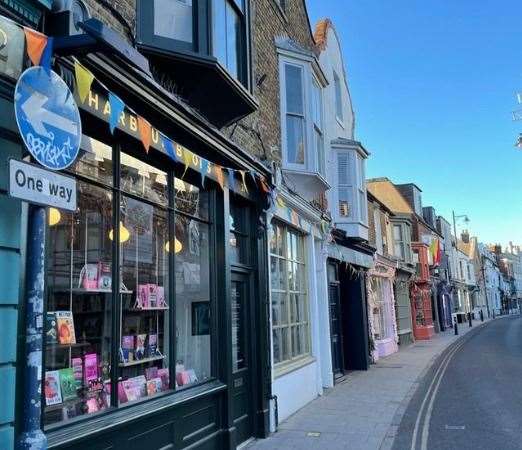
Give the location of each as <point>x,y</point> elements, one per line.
<point>145,132</point>
<point>280,202</point>
<point>243,175</point>
<point>220,176</point>
<point>36,43</point>
<point>187,157</point>
<point>84,79</point>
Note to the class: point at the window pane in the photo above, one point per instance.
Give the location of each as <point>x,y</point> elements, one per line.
<point>173,19</point>
<point>295,146</point>
<point>144,347</point>
<point>319,149</point>
<point>143,180</point>
<point>317,105</point>
<point>338,97</point>
<point>192,302</point>
<point>294,89</point>
<point>191,200</point>
<point>227,36</point>
<point>237,295</point>
<point>276,345</point>
<point>79,314</point>
<point>397,233</point>
<point>233,41</point>
<point>94,161</point>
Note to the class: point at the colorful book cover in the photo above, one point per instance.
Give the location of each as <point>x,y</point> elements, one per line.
<point>182,378</point>
<point>51,334</point>
<point>152,347</point>
<point>67,383</point>
<point>53,394</point>
<point>65,327</point>
<point>77,366</point>
<point>164,375</point>
<point>151,387</point>
<point>92,406</point>
<point>141,385</point>
<point>122,396</point>
<point>140,346</point>
<point>129,390</point>
<point>151,372</point>
<point>127,348</point>
<point>91,367</point>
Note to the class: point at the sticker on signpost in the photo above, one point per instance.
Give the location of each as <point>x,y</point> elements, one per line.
<point>48,118</point>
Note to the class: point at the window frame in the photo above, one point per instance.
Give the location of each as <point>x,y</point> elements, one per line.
<point>115,187</point>
<point>339,113</point>
<point>310,76</point>
<point>283,366</point>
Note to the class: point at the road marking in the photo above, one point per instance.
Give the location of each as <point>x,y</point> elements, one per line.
<point>455,427</point>
<point>428,394</point>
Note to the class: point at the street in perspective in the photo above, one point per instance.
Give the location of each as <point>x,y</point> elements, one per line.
<point>260,224</point>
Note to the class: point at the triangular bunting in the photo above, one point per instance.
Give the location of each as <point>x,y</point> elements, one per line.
<point>117,107</point>
<point>45,60</point>
<point>231,179</point>
<point>84,79</point>
<point>220,176</point>
<point>145,132</point>
<point>243,178</point>
<point>36,43</point>
<point>204,170</point>
<point>169,147</point>
<point>187,156</point>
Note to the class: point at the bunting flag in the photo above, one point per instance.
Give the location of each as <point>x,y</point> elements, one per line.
<point>117,107</point>
<point>220,176</point>
<point>187,157</point>
<point>204,170</point>
<point>169,147</point>
<point>36,43</point>
<point>280,202</point>
<point>145,131</point>
<point>264,185</point>
<point>45,60</point>
<point>231,179</point>
<point>84,79</point>
<point>243,178</point>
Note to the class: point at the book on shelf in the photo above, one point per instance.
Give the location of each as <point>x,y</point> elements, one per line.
<point>51,334</point>
<point>140,346</point>
<point>164,376</point>
<point>77,367</point>
<point>154,386</point>
<point>53,394</point>
<point>151,372</point>
<point>127,348</point>
<point>65,327</point>
<point>91,367</point>
<point>68,384</point>
<point>152,346</point>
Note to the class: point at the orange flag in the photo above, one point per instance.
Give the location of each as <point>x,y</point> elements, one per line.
<point>36,43</point>
<point>145,132</point>
<point>220,176</point>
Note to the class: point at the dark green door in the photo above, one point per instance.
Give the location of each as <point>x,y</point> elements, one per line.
<point>242,401</point>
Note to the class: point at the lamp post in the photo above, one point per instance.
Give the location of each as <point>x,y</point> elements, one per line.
<point>466,219</point>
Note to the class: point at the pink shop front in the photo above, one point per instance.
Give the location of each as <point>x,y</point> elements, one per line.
<point>381,309</point>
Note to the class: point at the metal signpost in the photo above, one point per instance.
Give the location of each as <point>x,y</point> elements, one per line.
<point>49,122</point>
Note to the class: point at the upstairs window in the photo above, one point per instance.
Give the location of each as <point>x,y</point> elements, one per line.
<point>361,188</point>
<point>338,97</point>
<point>295,115</point>
<point>344,187</point>
<point>398,240</point>
<point>317,115</point>
<point>173,19</point>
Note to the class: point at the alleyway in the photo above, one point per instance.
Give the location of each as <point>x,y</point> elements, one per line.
<point>365,410</point>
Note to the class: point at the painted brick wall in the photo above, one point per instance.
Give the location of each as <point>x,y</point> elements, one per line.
<point>10,265</point>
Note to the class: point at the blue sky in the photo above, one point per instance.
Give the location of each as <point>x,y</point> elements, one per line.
<point>433,85</point>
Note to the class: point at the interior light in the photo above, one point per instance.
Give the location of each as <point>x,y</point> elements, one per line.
<point>178,246</point>
<point>124,233</point>
<point>54,216</point>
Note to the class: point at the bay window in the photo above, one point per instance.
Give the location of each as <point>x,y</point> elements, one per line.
<point>401,241</point>
<point>295,115</point>
<point>290,318</point>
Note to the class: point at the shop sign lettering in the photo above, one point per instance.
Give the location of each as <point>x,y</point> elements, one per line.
<point>40,186</point>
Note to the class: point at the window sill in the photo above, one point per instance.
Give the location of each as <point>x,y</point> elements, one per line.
<point>290,367</point>
<point>69,433</point>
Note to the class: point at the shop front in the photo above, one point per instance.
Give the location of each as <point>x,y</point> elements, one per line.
<point>420,294</point>
<point>154,326</point>
<point>381,304</point>
<point>403,305</point>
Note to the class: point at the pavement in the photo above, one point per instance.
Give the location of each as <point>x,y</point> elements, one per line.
<point>364,411</point>
<point>475,400</point>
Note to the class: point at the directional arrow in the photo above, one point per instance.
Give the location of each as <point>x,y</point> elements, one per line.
<point>37,115</point>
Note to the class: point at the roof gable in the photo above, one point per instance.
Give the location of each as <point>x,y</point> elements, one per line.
<point>386,192</point>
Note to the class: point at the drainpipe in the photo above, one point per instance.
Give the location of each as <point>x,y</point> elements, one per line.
<point>32,437</point>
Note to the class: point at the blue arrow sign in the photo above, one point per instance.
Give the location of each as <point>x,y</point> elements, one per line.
<point>48,118</point>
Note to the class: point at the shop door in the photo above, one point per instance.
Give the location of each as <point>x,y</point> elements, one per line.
<point>242,398</point>
<point>336,329</point>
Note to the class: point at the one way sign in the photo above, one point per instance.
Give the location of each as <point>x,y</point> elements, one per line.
<point>48,118</point>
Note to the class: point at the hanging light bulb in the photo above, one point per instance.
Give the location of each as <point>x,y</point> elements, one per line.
<point>178,246</point>
<point>124,234</point>
<point>54,216</point>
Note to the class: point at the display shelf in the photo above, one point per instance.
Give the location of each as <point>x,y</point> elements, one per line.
<point>141,361</point>
<point>91,291</point>
<point>67,346</point>
<point>156,308</point>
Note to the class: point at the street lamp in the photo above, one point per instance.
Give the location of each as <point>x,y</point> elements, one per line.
<point>466,220</point>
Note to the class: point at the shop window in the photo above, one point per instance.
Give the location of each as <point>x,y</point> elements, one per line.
<point>382,312</point>
<point>290,319</point>
<point>108,333</point>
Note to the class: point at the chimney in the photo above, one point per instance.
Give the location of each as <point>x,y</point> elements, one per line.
<point>465,236</point>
